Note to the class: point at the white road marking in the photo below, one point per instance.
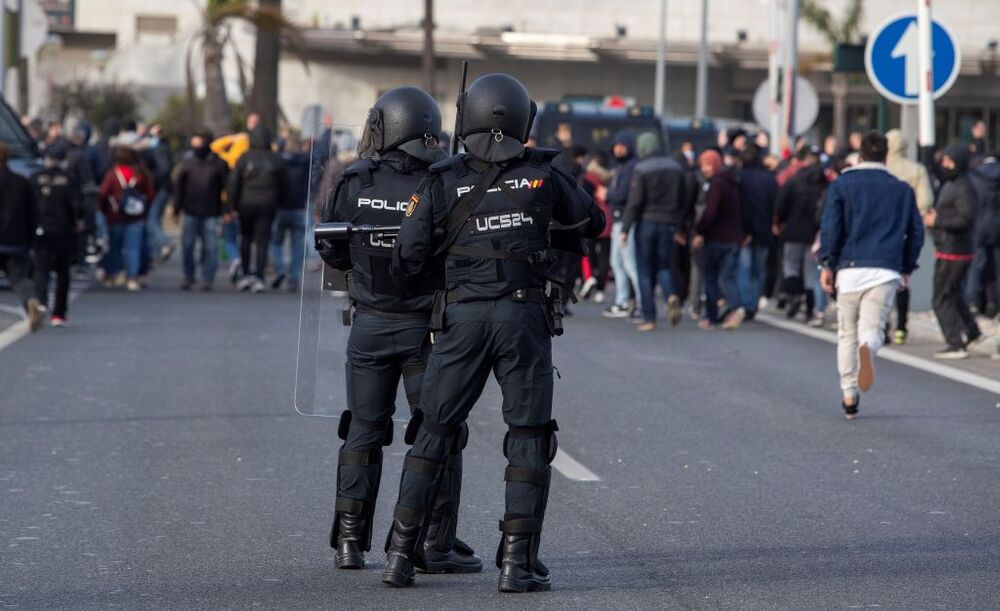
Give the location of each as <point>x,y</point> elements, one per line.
<point>892,354</point>
<point>568,466</point>
<point>13,333</point>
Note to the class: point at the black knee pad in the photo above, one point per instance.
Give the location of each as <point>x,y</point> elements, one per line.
<point>345,424</point>
<point>347,418</point>
<point>547,430</point>
<point>412,427</point>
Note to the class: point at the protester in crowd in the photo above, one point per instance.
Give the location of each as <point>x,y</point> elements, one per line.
<point>870,242</point>
<point>683,264</point>
<point>985,182</point>
<point>159,159</point>
<point>595,180</point>
<point>797,210</point>
<point>953,223</point>
<point>978,147</point>
<point>200,182</point>
<point>623,262</point>
<point>18,220</point>
<point>82,164</point>
<point>915,175</point>
<point>854,141</point>
<point>758,191</point>
<point>656,208</point>
<point>61,217</point>
<point>230,148</point>
<point>720,232</point>
<point>125,195</point>
<point>290,222</point>
<point>258,186</point>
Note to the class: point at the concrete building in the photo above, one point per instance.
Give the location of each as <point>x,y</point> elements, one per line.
<point>566,49</point>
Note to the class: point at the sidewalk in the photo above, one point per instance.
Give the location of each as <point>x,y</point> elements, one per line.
<point>923,341</point>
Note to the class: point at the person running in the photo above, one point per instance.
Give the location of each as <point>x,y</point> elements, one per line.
<point>18,220</point>
<point>258,186</point>
<point>60,221</point>
<point>870,239</point>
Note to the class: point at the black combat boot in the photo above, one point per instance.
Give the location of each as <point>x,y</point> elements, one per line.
<point>400,550</point>
<point>351,532</point>
<point>520,571</point>
<point>455,557</point>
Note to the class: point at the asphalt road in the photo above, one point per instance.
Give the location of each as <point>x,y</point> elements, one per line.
<point>150,457</point>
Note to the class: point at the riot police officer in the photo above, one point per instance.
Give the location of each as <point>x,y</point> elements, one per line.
<point>389,334</point>
<point>490,212</point>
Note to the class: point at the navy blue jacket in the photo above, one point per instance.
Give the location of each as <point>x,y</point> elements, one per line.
<point>758,191</point>
<point>870,219</point>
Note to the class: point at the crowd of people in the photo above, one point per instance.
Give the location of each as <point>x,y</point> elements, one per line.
<point>722,232</point>
<point>101,201</point>
<point>732,229</point>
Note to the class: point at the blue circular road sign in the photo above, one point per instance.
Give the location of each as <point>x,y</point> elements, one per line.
<point>892,65</point>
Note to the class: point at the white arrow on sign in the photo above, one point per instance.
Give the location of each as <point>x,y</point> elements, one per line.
<point>907,48</point>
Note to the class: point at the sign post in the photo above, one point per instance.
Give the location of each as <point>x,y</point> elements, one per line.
<point>926,96</point>
<point>893,58</point>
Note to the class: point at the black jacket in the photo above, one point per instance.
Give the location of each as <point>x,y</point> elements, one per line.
<point>985,182</point>
<point>18,211</point>
<point>503,245</point>
<point>954,229</point>
<point>378,193</point>
<point>199,184</point>
<point>657,193</point>
<point>799,205</point>
<point>260,178</point>
<point>758,192</point>
<point>298,166</point>
<point>59,206</point>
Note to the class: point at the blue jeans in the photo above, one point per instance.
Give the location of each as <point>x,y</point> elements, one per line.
<point>293,223</point>
<point>155,238</point>
<point>203,229</point>
<point>231,239</point>
<point>752,274</point>
<point>623,264</point>
<point>654,254</point>
<point>820,297</point>
<point>124,240</point>
<point>974,285</point>
<point>721,262</point>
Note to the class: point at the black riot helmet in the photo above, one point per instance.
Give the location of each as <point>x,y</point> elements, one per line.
<point>404,118</point>
<point>496,116</point>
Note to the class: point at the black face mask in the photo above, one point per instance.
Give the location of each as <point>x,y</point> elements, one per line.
<point>946,174</point>
<point>201,152</point>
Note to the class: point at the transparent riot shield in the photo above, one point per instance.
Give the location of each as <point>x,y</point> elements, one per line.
<point>324,313</point>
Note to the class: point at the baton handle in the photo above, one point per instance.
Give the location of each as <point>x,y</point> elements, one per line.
<point>343,231</point>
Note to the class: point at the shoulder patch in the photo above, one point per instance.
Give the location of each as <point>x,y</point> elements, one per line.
<point>410,207</point>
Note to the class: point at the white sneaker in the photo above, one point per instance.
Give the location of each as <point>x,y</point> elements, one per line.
<point>951,354</point>
<point>133,286</point>
<point>599,297</point>
<point>245,283</point>
<point>258,286</point>
<point>588,287</point>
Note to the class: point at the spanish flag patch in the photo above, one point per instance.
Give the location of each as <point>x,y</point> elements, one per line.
<point>414,200</point>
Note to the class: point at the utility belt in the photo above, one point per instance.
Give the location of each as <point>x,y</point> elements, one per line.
<point>551,298</point>
<point>367,309</point>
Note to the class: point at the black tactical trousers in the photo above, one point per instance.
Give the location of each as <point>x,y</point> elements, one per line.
<point>511,340</point>
<point>380,351</point>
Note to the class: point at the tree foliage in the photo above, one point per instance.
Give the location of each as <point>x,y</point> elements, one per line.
<point>847,29</point>
<point>95,102</point>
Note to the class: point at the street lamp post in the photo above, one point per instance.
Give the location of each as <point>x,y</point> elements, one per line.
<point>659,92</point>
<point>701,85</point>
<point>926,95</point>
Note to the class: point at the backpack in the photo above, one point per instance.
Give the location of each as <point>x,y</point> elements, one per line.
<point>132,202</point>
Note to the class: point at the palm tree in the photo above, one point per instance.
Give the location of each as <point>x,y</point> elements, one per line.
<point>846,30</point>
<point>215,38</point>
